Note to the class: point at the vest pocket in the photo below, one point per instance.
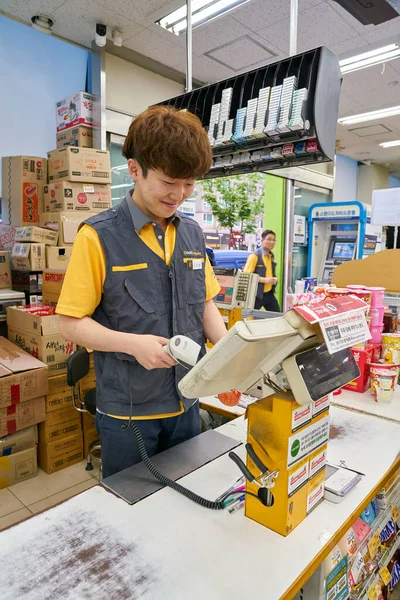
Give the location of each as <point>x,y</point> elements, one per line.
<point>139,297</point>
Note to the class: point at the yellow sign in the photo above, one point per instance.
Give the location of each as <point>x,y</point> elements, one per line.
<point>385,575</point>
<point>395,513</point>
<point>373,544</point>
<point>372,593</point>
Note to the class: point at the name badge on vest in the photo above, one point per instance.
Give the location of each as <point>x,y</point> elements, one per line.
<point>195,264</point>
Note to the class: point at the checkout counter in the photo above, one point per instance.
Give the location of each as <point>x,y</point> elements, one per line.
<point>97,546</point>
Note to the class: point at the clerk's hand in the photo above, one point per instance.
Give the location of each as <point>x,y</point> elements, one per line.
<point>148,351</point>
<point>270,280</point>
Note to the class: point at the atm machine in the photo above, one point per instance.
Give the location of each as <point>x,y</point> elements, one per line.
<point>238,292</point>
<point>339,232</point>
<point>288,430</point>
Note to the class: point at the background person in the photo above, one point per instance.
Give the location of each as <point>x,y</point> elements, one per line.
<point>263,263</point>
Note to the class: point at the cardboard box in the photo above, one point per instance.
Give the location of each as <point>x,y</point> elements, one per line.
<point>88,421</point>
<point>57,258</point>
<point>28,257</point>
<point>5,270</point>
<point>48,433</point>
<point>23,180</point>
<point>17,417</point>
<point>21,440</point>
<point>36,330</point>
<point>18,467</point>
<point>66,223</point>
<point>89,436</point>
<point>37,235</point>
<point>58,384</point>
<point>59,400</point>
<point>25,281</point>
<point>65,196</point>
<point>80,108</point>
<point>52,285</point>
<point>76,136</point>
<point>65,414</point>
<point>60,453</point>
<point>10,298</point>
<point>7,237</point>
<point>22,377</point>
<point>87,165</point>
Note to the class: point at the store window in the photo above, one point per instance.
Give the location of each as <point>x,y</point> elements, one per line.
<point>304,197</point>
<point>207,219</point>
<point>121,181</point>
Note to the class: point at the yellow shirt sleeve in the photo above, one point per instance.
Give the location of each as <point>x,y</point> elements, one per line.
<point>212,285</point>
<point>83,284</point>
<point>251,264</point>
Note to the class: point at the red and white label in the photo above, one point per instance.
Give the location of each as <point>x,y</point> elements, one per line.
<point>320,405</point>
<point>82,198</point>
<point>345,330</point>
<point>297,478</point>
<point>315,496</point>
<point>301,416</point>
<point>330,308</point>
<point>317,462</point>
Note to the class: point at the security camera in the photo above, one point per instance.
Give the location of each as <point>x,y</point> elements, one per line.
<point>101,34</point>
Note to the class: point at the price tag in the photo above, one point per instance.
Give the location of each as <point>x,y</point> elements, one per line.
<point>372,593</point>
<point>385,575</point>
<point>344,331</point>
<point>395,513</point>
<point>373,544</point>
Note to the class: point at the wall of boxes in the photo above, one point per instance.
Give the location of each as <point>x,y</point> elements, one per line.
<point>45,200</point>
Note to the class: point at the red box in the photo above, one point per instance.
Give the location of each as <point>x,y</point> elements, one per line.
<point>363,359</point>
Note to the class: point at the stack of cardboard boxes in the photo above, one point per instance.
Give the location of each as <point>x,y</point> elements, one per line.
<point>23,389</point>
<point>44,202</point>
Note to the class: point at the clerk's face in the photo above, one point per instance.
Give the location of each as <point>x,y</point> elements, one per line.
<point>268,243</point>
<point>158,195</point>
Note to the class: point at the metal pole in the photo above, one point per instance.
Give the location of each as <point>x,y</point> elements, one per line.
<point>189,46</point>
<point>294,18</point>
<point>288,241</point>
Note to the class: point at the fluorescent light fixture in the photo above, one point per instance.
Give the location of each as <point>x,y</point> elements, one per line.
<point>390,144</point>
<point>368,59</point>
<point>370,116</point>
<point>202,11</point>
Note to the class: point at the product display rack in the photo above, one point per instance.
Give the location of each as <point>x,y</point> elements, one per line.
<point>279,115</point>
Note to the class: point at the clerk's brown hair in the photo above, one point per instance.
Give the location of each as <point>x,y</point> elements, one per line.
<point>173,141</point>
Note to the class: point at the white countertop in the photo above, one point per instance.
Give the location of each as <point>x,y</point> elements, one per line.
<point>96,546</point>
<point>212,403</point>
<point>365,403</point>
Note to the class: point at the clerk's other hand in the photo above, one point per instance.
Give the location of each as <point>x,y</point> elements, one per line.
<point>149,352</point>
<point>271,280</point>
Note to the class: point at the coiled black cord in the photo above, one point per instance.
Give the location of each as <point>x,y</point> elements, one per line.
<point>216,505</point>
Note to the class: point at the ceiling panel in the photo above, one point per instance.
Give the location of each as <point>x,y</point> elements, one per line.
<point>27,9</point>
<point>76,20</point>
<point>349,106</point>
<point>139,11</point>
<point>241,54</point>
<point>208,70</point>
<point>367,130</point>
<point>376,99</point>
<point>355,24</point>
<point>381,32</point>
<point>346,48</point>
<point>216,33</point>
<point>151,44</point>
<point>258,14</point>
<point>366,80</point>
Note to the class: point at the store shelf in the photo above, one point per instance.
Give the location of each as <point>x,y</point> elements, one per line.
<point>300,131</point>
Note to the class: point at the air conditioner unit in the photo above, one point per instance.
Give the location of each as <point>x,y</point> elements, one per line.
<point>371,12</point>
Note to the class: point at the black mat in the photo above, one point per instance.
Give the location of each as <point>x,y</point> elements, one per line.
<point>135,483</point>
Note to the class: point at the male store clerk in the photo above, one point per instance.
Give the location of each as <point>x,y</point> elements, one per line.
<point>138,275</point>
<point>262,262</point>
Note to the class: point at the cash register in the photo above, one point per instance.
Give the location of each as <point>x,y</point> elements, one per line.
<point>238,292</point>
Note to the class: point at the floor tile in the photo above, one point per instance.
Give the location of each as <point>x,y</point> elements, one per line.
<point>8,503</point>
<point>41,487</point>
<point>61,496</point>
<point>14,518</point>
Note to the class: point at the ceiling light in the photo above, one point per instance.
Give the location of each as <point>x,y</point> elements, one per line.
<point>390,144</point>
<point>42,23</point>
<point>370,116</point>
<point>368,59</point>
<point>202,12</point>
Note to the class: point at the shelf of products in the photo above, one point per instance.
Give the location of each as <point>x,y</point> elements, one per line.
<point>278,115</point>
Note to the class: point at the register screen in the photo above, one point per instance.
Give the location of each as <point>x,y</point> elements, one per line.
<point>227,283</point>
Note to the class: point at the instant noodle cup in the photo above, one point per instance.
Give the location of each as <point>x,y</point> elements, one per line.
<point>336,293</point>
<point>383,381</point>
<point>376,333</point>
<point>376,314</point>
<point>364,295</point>
<point>391,348</point>
<point>378,294</point>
